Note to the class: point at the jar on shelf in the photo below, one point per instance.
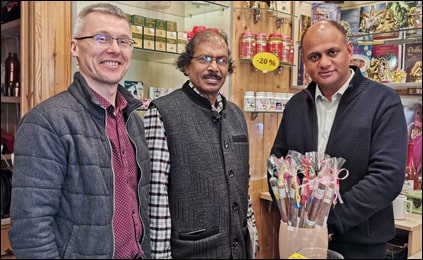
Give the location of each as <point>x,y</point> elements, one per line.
<point>261,104</point>
<point>247,45</point>
<point>274,45</point>
<point>286,49</point>
<point>270,101</point>
<point>249,101</point>
<point>261,42</point>
<point>278,102</point>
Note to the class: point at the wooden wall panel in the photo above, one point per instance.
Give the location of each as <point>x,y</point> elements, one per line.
<point>49,49</point>
<point>262,126</point>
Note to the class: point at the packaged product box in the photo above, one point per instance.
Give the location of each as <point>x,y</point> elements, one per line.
<point>412,60</point>
<point>160,26</point>
<point>137,20</point>
<point>171,41</point>
<point>182,40</point>
<point>386,58</point>
<point>171,26</point>
<point>160,44</point>
<point>160,37</point>
<point>149,33</point>
<point>415,197</point>
<point>136,88</point>
<point>171,45</point>
<point>138,41</point>
<point>325,11</point>
<point>362,54</point>
<point>350,20</point>
<point>137,35</point>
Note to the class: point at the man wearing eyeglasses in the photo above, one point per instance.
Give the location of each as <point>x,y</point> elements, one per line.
<point>82,170</point>
<point>198,141</point>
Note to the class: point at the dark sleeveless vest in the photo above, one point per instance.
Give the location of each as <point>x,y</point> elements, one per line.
<point>209,176</point>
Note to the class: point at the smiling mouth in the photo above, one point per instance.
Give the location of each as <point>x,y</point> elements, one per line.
<point>111,63</point>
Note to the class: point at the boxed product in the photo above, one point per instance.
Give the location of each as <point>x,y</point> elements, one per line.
<point>181,41</point>
<point>137,20</point>
<point>415,196</point>
<point>149,33</point>
<point>325,11</point>
<point>171,41</point>
<point>136,88</point>
<point>137,35</point>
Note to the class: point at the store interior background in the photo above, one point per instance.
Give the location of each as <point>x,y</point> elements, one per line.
<point>158,70</point>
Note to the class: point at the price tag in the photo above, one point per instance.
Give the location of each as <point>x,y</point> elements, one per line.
<point>265,61</point>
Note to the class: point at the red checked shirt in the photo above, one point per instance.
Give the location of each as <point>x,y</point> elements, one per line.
<point>126,219</point>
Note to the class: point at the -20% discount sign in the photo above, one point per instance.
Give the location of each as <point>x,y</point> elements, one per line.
<point>265,61</point>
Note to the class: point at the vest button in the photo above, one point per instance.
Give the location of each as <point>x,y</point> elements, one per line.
<point>231,174</point>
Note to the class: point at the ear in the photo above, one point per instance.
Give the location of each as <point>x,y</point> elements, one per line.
<point>350,49</point>
<point>74,48</point>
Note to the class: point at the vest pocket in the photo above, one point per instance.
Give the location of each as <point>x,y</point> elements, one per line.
<point>199,233</point>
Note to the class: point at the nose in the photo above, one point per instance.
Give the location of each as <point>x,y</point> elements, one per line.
<point>213,64</point>
<point>325,61</point>
<point>114,45</point>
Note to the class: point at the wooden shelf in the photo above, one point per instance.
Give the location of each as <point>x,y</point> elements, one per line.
<point>9,99</point>
<point>10,29</point>
<point>177,8</point>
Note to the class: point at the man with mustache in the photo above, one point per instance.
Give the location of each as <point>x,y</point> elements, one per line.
<point>198,142</point>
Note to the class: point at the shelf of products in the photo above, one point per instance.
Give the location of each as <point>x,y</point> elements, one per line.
<point>406,36</point>
<point>177,8</point>
<point>10,105</point>
<point>154,56</point>
<point>403,35</point>
<point>282,17</point>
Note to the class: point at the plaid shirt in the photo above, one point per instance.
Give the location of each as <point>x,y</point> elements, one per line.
<point>160,219</point>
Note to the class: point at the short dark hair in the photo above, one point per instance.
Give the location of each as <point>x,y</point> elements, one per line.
<point>185,58</point>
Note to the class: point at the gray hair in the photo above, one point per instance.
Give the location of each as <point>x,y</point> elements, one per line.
<point>104,8</point>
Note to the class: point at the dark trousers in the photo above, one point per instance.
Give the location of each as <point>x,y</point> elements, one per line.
<point>354,251</point>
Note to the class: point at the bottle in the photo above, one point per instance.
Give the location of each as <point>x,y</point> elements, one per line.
<point>11,76</point>
<point>261,104</point>
<point>270,101</point>
<point>278,101</point>
<point>249,101</point>
<point>411,181</point>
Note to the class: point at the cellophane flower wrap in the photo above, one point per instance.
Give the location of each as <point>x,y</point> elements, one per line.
<point>306,186</point>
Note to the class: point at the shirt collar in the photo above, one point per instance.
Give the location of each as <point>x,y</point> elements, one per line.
<point>121,102</point>
<point>219,101</point>
<point>340,91</point>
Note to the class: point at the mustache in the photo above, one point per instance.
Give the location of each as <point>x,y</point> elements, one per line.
<point>212,76</point>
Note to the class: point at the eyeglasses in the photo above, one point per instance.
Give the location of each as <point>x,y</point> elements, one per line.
<point>105,40</point>
<point>205,59</point>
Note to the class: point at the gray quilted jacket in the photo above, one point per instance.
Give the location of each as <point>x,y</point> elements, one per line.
<point>63,182</point>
